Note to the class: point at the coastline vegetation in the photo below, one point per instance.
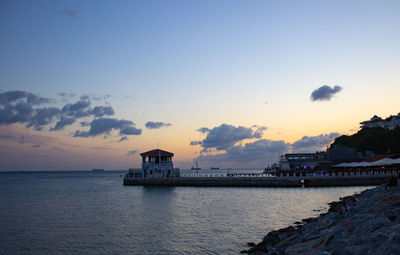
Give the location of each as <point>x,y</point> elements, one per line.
<point>379,140</point>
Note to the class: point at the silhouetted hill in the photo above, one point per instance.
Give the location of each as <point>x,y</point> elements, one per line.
<point>379,140</point>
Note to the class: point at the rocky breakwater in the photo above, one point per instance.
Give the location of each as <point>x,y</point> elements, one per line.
<point>366,223</point>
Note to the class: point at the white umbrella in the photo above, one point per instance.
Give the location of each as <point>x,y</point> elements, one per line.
<point>382,162</point>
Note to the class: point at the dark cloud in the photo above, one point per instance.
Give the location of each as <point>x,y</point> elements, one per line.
<point>124,138</point>
<point>132,152</point>
<point>103,126</point>
<point>130,131</point>
<point>313,143</point>
<point>203,130</point>
<point>100,111</point>
<point>20,112</point>
<point>17,95</point>
<point>24,107</point>
<point>43,116</point>
<point>64,121</point>
<point>156,125</point>
<point>36,146</point>
<point>82,109</point>
<point>256,154</point>
<point>78,109</point>
<point>225,136</point>
<point>85,124</point>
<point>259,131</point>
<point>324,93</point>
<point>17,107</point>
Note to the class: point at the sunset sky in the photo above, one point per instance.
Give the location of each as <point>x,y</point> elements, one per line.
<point>92,84</point>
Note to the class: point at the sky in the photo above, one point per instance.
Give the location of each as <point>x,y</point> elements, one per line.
<point>92,84</point>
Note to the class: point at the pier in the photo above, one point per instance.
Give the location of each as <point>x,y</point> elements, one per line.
<point>341,179</point>
<point>157,170</point>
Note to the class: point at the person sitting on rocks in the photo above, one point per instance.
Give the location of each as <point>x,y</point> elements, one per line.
<point>342,209</point>
<point>351,201</point>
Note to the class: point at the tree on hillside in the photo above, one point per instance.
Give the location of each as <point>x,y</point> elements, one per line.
<point>379,140</point>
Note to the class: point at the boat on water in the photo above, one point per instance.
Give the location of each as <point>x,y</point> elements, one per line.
<point>97,170</point>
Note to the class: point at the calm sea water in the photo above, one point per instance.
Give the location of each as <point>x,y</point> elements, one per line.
<point>93,213</point>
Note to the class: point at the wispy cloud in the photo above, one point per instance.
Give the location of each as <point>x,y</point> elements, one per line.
<point>132,152</point>
<point>123,138</point>
<point>156,125</point>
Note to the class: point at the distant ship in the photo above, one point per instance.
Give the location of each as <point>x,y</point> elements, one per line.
<point>97,169</point>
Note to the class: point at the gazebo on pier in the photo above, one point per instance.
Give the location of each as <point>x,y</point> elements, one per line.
<point>157,164</point>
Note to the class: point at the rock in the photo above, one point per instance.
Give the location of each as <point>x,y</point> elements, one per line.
<point>272,238</point>
<point>372,226</point>
<point>308,220</point>
<point>310,247</point>
<point>289,229</point>
<point>392,217</point>
<point>258,247</point>
<point>251,244</point>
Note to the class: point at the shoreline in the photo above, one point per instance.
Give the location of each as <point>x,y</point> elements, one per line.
<point>370,225</point>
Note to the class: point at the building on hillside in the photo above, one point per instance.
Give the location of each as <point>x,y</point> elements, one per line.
<point>158,164</point>
<point>338,153</point>
<point>304,161</point>
<point>390,122</point>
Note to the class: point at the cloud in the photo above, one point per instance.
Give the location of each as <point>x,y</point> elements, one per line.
<point>156,125</point>
<point>36,146</point>
<point>124,138</point>
<point>259,131</point>
<point>132,152</point>
<point>25,107</point>
<point>43,116</point>
<point>203,130</point>
<point>17,107</point>
<point>313,143</point>
<point>100,111</point>
<point>18,95</point>
<point>78,109</point>
<point>255,154</point>
<point>324,93</point>
<point>103,126</point>
<point>64,121</point>
<point>225,136</point>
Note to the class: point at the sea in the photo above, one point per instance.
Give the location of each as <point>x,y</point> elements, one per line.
<point>86,212</point>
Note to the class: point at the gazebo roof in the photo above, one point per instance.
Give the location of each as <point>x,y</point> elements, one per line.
<point>157,152</point>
